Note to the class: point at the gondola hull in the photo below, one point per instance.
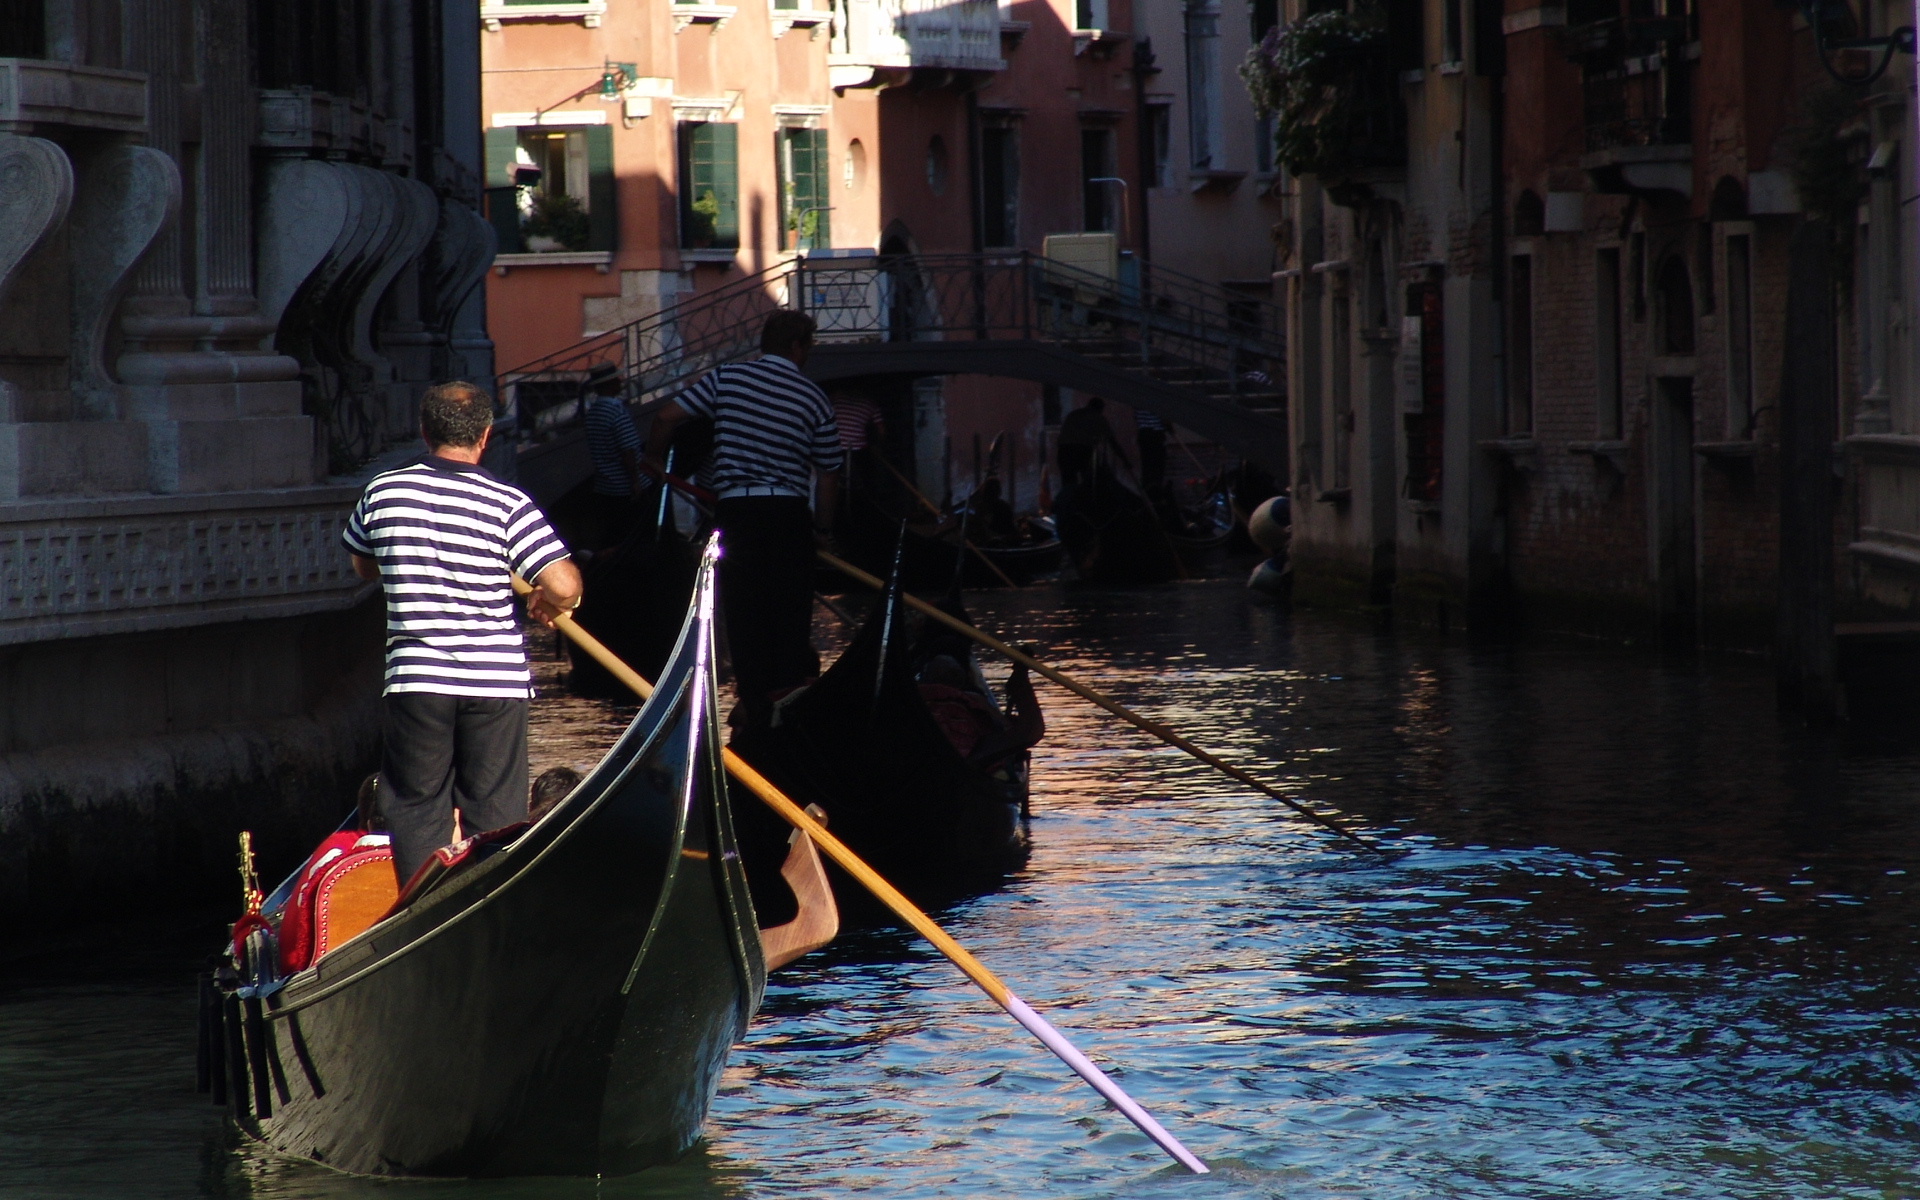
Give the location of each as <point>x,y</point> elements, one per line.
<point>565,1006</point>
<point>862,745</point>
<point>1113,535</point>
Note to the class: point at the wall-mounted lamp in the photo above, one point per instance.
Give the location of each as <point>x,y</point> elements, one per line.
<point>616,78</point>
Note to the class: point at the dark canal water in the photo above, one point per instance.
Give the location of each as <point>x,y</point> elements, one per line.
<point>1649,941</point>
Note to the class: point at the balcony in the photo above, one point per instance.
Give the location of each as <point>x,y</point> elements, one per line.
<point>876,41</point>
<point>1637,84</point>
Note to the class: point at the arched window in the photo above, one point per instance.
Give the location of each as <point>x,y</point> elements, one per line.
<point>1675,290</point>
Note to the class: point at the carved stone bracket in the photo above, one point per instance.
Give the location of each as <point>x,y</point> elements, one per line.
<point>127,195</point>
<point>305,210</point>
<point>36,190</point>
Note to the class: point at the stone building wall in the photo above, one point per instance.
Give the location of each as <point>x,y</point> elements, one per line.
<point>236,240</point>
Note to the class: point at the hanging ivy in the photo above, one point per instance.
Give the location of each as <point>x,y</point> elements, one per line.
<point>1306,75</point>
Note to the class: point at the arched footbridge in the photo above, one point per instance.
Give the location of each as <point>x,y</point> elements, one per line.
<point>1200,356</point>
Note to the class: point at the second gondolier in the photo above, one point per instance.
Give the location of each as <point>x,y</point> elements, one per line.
<point>774,435</point>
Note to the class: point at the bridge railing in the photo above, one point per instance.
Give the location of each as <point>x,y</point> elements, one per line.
<point>654,356</point>
<point>1150,319</point>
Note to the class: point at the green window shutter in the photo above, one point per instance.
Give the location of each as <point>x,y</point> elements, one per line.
<point>603,201</point>
<point>816,189</point>
<point>501,207</point>
<point>709,186</point>
<point>725,180</point>
<point>801,155</point>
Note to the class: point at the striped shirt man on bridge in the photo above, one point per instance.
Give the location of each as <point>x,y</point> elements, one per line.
<point>444,537</point>
<point>774,435</point>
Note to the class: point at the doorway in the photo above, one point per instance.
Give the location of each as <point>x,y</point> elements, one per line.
<point>1674,509</point>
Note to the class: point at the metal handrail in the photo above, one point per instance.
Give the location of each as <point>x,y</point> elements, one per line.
<point>1158,320</point>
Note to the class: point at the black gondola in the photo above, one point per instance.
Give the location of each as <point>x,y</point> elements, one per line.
<point>1112,532</point>
<point>562,1005</point>
<point>862,743</point>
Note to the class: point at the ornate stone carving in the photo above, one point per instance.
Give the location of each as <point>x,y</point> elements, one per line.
<point>463,250</point>
<point>127,195</point>
<point>36,190</point>
<point>115,566</point>
<point>305,210</point>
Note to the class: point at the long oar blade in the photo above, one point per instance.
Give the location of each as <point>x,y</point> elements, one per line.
<point>1111,705</point>
<point>905,909</point>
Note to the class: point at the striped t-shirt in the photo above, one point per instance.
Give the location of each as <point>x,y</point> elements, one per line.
<point>771,426</point>
<point>609,431</point>
<point>446,535</point>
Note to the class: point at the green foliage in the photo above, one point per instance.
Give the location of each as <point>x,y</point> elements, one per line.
<point>559,217</point>
<point>704,219</point>
<point>1303,74</point>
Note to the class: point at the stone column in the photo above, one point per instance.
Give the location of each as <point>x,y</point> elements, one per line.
<point>225,211</point>
<point>152,37</point>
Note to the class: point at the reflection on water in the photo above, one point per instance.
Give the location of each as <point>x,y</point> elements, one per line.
<point>1648,941</point>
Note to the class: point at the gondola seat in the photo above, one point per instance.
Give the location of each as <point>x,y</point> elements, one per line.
<point>348,885</point>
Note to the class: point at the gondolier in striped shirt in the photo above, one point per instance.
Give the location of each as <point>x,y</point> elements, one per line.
<point>614,445</point>
<point>443,537</point>
<point>774,435</point>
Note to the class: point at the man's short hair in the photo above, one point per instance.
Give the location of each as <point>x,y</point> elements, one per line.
<point>455,414</point>
<point>1096,403</point>
<point>785,330</point>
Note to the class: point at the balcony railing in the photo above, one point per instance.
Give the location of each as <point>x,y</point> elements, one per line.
<point>1638,81</point>
<point>958,35</point>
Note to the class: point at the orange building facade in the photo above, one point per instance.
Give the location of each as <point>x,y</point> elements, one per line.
<point>639,155</point>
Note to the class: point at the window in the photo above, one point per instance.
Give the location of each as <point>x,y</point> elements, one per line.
<point>1090,14</point>
<point>1450,49</point>
<point>1427,428</point>
<point>551,189</point>
<point>854,173</point>
<point>709,185</point>
<point>1340,384</point>
<point>1739,256</point>
<point>1203,85</point>
<point>802,163</point>
<point>1606,345</point>
<point>1160,131</point>
<point>937,165</point>
<point>1520,347</point>
<point>1676,307</point>
<point>1100,200</point>
<point>1000,185</point>
<point>1264,15</point>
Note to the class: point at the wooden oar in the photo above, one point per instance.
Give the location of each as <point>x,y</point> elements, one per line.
<point>975,970</point>
<point>935,510</point>
<point>1113,706</point>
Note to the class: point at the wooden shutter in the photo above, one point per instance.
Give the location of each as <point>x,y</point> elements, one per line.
<point>811,192</point>
<point>603,200</point>
<point>501,209</point>
<point>710,166</point>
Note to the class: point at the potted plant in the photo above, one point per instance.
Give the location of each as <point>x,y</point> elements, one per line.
<point>556,222</point>
<point>1309,76</point>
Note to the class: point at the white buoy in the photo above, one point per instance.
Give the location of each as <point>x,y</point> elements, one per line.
<point>1272,576</point>
<point>1266,527</point>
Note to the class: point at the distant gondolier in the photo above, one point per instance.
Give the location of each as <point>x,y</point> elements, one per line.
<point>614,445</point>
<point>444,537</point>
<point>775,434</point>
<point>1081,435</point>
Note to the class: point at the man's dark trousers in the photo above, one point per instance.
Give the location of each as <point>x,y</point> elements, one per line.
<point>766,589</point>
<point>443,751</point>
